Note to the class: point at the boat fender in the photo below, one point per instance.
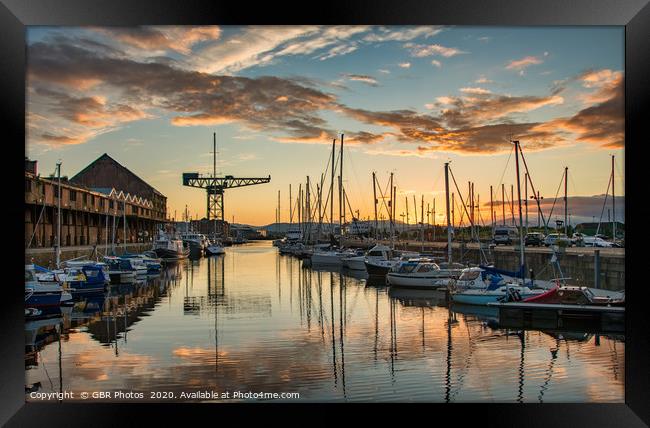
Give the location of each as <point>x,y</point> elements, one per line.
<point>471,283</point>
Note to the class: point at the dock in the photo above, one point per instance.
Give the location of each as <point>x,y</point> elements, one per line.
<point>608,319</point>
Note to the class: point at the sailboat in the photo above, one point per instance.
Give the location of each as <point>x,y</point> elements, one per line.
<point>496,292</point>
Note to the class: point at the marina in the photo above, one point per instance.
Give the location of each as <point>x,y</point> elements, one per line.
<point>216,324</point>
<point>440,234</point>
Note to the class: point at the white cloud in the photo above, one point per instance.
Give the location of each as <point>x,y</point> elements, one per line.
<point>384,34</point>
<point>261,45</point>
<point>436,63</point>
<point>476,91</point>
<point>404,64</point>
<point>420,51</point>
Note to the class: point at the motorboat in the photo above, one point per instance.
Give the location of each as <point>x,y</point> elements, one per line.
<point>120,271</point>
<point>170,249</point>
<point>378,266</point>
<point>215,248</point>
<point>153,264</point>
<point>495,293</point>
<point>85,276</point>
<point>333,256</point>
<point>422,273</point>
<point>43,295</point>
<point>376,253</point>
<point>577,295</point>
<point>354,261</point>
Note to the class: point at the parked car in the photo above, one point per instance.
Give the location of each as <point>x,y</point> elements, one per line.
<point>556,238</point>
<point>505,235</point>
<point>593,241</point>
<point>534,238</point>
<point>578,239</point>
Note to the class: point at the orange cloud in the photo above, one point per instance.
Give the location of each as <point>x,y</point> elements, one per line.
<point>520,64</point>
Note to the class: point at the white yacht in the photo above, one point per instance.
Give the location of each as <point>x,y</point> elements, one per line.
<point>378,252</point>
<point>423,273</point>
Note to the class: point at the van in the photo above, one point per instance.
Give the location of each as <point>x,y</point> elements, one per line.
<point>505,235</point>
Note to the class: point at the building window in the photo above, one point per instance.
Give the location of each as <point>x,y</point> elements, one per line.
<point>92,200</point>
<point>110,204</point>
<point>28,186</point>
<point>84,198</point>
<point>73,196</point>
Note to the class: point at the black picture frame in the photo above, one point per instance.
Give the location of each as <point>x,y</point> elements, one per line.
<point>15,15</point>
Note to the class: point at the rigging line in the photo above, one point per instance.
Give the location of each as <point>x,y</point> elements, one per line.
<point>609,183</point>
<point>383,200</point>
<point>555,200</point>
<point>383,197</point>
<point>356,178</point>
<point>461,197</point>
<point>530,180</point>
<point>506,167</point>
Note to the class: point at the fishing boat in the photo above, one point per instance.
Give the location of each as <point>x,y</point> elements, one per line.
<point>422,273</point>
<point>194,241</point>
<point>170,249</point>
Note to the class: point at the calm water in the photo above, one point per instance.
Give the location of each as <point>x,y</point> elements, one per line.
<point>255,321</point>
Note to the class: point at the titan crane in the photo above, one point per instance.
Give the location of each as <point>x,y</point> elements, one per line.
<point>215,186</point>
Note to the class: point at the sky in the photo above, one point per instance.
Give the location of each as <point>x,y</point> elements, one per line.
<point>407,99</point>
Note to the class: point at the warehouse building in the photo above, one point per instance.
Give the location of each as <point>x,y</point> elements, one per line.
<point>96,205</point>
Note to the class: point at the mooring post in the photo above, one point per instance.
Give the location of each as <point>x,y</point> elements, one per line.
<point>596,268</point>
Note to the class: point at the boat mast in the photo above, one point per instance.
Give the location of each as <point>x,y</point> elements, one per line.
<point>124,214</point>
<point>503,202</point>
<point>58,218</point>
<point>374,200</point>
<point>342,194</point>
<point>332,189</point>
<point>434,219</point>
<point>566,208</point>
<point>526,198</point>
<point>392,214</point>
<point>521,229</point>
<point>613,204</point>
<point>448,214</point>
<point>290,208</point>
<point>308,210</point>
<point>214,175</point>
<point>422,222</point>
<point>491,209</point>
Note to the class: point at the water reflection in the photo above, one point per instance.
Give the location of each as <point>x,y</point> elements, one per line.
<point>253,320</point>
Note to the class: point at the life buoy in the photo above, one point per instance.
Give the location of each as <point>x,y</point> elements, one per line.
<point>471,283</point>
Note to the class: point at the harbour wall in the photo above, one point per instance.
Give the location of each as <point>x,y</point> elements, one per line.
<point>46,257</point>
